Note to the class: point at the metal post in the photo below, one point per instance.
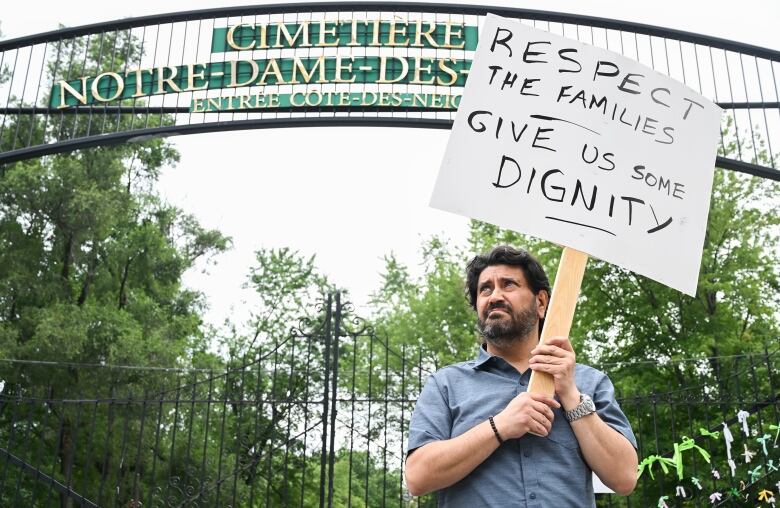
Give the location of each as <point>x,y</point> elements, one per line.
<point>324,452</point>
<point>334,388</point>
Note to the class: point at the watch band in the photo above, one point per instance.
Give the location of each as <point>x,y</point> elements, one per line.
<point>584,408</point>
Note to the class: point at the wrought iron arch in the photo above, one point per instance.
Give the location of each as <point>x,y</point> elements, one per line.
<point>741,78</point>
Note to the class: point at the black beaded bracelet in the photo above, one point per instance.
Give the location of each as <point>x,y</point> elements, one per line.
<point>495,430</point>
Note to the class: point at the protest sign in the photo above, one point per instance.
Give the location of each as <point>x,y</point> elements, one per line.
<point>585,148</point>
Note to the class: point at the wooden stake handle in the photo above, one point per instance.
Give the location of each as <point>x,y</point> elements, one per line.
<point>560,311</point>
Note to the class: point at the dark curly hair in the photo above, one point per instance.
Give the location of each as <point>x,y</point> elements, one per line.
<point>506,255</point>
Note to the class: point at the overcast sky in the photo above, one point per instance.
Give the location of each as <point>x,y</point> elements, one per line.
<point>348,195</point>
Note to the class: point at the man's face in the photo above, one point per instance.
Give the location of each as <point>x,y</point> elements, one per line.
<point>507,309</point>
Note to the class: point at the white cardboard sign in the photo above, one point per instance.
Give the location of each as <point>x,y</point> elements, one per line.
<point>585,148</point>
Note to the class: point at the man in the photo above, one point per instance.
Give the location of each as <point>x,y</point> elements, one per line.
<point>480,439</point>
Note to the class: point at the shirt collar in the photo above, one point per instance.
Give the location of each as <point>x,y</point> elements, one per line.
<point>482,357</point>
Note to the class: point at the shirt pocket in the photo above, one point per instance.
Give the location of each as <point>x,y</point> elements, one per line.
<point>561,432</point>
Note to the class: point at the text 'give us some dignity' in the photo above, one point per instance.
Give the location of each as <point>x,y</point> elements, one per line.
<point>582,130</point>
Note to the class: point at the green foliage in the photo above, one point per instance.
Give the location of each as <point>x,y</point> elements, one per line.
<point>85,244</point>
<point>431,314</point>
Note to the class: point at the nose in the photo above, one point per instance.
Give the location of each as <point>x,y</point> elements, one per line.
<point>497,295</point>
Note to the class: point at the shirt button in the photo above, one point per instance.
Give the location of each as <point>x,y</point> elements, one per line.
<point>532,496</point>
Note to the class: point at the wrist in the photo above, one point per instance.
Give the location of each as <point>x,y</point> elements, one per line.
<point>496,434</point>
<point>570,399</point>
<point>501,427</point>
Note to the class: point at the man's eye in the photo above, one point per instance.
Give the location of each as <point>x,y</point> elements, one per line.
<point>484,289</point>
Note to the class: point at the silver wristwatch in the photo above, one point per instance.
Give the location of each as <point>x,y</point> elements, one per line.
<point>584,408</point>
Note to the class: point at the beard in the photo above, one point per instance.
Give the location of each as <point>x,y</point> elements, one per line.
<point>506,331</point>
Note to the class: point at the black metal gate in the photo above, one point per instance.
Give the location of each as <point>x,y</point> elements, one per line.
<point>316,418</point>
<point>319,417</point>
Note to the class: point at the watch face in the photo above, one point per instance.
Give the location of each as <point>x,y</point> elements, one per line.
<point>587,402</point>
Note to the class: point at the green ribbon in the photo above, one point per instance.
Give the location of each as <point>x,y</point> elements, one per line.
<point>754,474</point>
<point>777,433</point>
<point>686,444</point>
<point>763,439</point>
<point>706,433</point>
<point>652,459</point>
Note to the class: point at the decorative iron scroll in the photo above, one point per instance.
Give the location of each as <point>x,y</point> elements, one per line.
<point>367,63</point>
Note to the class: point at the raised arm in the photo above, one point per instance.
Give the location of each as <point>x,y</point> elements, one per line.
<point>441,463</point>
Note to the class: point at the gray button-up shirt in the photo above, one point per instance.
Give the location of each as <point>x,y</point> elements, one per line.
<point>527,472</point>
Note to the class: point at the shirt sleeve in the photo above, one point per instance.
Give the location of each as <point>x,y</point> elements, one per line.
<point>431,419</point>
<point>609,410</point>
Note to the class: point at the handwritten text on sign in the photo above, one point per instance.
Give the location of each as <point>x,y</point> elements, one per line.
<point>585,148</point>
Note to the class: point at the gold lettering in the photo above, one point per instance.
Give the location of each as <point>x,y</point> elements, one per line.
<point>162,80</point>
<point>298,66</point>
<point>263,37</point>
<point>353,34</point>
<point>231,34</point>
<point>325,31</point>
<point>297,103</point>
<point>365,101</point>
<point>139,81</point>
<point>436,100</point>
<point>214,103</point>
<point>272,67</point>
<point>81,97</point>
<point>448,71</point>
<point>314,102</point>
<point>383,69</point>
<point>192,76</point>
<point>419,69</point>
<point>258,97</point>
<point>419,33</point>
<point>303,32</point>
<point>120,86</point>
<point>449,33</point>
<point>395,30</point>
<point>273,100</point>
<point>198,106</point>
<point>420,100</point>
<point>344,98</point>
<point>340,68</point>
<point>244,102</point>
<point>329,98</point>
<point>375,31</point>
<point>235,73</point>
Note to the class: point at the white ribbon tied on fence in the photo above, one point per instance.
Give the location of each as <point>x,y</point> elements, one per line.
<point>742,417</point>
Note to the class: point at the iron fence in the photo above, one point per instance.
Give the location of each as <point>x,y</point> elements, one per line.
<point>320,418</point>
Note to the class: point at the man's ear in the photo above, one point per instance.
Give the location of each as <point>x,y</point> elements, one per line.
<point>542,300</point>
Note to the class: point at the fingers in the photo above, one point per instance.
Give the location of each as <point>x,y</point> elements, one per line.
<point>537,417</point>
<point>546,367</point>
<point>543,410</point>
<point>539,397</point>
<point>550,350</point>
<point>561,342</point>
<point>550,359</point>
<point>540,425</point>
